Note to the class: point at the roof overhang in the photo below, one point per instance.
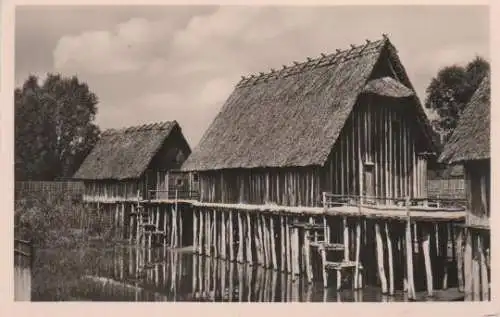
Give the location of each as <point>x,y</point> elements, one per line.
<point>387,87</point>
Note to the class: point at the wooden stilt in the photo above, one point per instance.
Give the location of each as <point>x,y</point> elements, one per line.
<point>273,243</point>
<point>223,235</point>
<point>282,244</point>
<point>483,269</point>
<point>265,240</point>
<point>295,249</point>
<point>215,230</point>
<point>390,258</point>
<point>459,257</point>
<point>346,239</point>
<point>201,233</point>
<point>322,252</point>
<point>288,245</point>
<point>475,268</point>
<point>427,258</point>
<point>195,232</point>
<point>207,233</point>
<point>240,239</point>
<point>357,283</point>
<point>446,255</point>
<point>307,256</point>
<point>231,237</point>
<point>260,238</point>
<point>249,240</point>
<point>468,264</point>
<point>409,255</point>
<point>380,258</point>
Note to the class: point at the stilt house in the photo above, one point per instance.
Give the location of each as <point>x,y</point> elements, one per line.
<point>470,145</point>
<point>347,123</point>
<point>131,160</point>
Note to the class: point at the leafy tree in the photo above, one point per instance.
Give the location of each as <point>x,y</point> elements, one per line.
<point>450,91</point>
<point>54,127</point>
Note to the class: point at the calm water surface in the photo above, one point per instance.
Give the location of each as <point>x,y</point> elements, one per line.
<point>132,274</point>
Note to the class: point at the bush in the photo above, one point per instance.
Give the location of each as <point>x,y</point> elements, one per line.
<point>55,220</point>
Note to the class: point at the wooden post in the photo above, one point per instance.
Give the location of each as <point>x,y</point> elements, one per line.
<point>288,244</point>
<point>296,250</point>
<point>273,244</point>
<point>468,263</point>
<point>380,258</point>
<point>264,240</point>
<point>323,262</point>
<point>427,258</point>
<point>214,233</point>
<point>483,269</point>
<point>390,258</point>
<point>249,240</point>
<point>195,236</point>
<point>409,254</point>
<point>208,240</point>
<point>240,239</point>
<point>201,233</point>
<point>357,283</point>
<point>307,256</point>
<point>267,229</point>
<point>260,249</point>
<point>459,257</point>
<point>132,219</point>
<point>475,267</point>
<point>231,236</point>
<point>346,239</point>
<point>223,235</point>
<point>283,244</point>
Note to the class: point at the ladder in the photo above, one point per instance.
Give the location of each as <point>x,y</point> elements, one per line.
<point>335,256</point>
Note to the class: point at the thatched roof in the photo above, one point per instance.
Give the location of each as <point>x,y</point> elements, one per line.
<point>125,153</point>
<point>471,138</point>
<point>293,116</point>
<point>388,87</point>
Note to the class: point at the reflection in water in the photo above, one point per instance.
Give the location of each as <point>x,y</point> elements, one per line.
<point>132,274</point>
<point>22,283</point>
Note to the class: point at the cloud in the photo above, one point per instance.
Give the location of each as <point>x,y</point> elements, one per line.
<point>150,68</point>
<point>116,51</point>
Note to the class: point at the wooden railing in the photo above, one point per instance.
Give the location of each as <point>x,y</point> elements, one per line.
<point>337,200</point>
<point>173,195</point>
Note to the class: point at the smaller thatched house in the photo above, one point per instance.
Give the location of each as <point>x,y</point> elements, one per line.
<point>470,145</point>
<point>133,160</point>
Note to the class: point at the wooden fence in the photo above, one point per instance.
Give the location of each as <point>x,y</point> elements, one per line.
<point>67,189</point>
<point>436,188</point>
<point>446,188</point>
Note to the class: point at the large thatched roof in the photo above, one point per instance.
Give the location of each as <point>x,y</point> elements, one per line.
<point>293,116</point>
<point>471,138</point>
<point>125,153</point>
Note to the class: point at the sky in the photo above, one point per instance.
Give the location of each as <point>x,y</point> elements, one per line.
<point>158,63</point>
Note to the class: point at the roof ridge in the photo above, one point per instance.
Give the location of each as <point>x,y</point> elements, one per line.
<point>160,125</point>
<point>311,63</point>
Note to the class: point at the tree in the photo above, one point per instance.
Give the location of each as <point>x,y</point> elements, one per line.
<point>54,127</point>
<point>450,91</point>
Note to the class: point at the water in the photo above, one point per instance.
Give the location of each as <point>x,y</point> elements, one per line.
<point>131,274</point>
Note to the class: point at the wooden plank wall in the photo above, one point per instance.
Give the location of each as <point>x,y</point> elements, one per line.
<point>286,186</point>
<point>112,190</point>
<point>477,177</point>
<point>378,132</point>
